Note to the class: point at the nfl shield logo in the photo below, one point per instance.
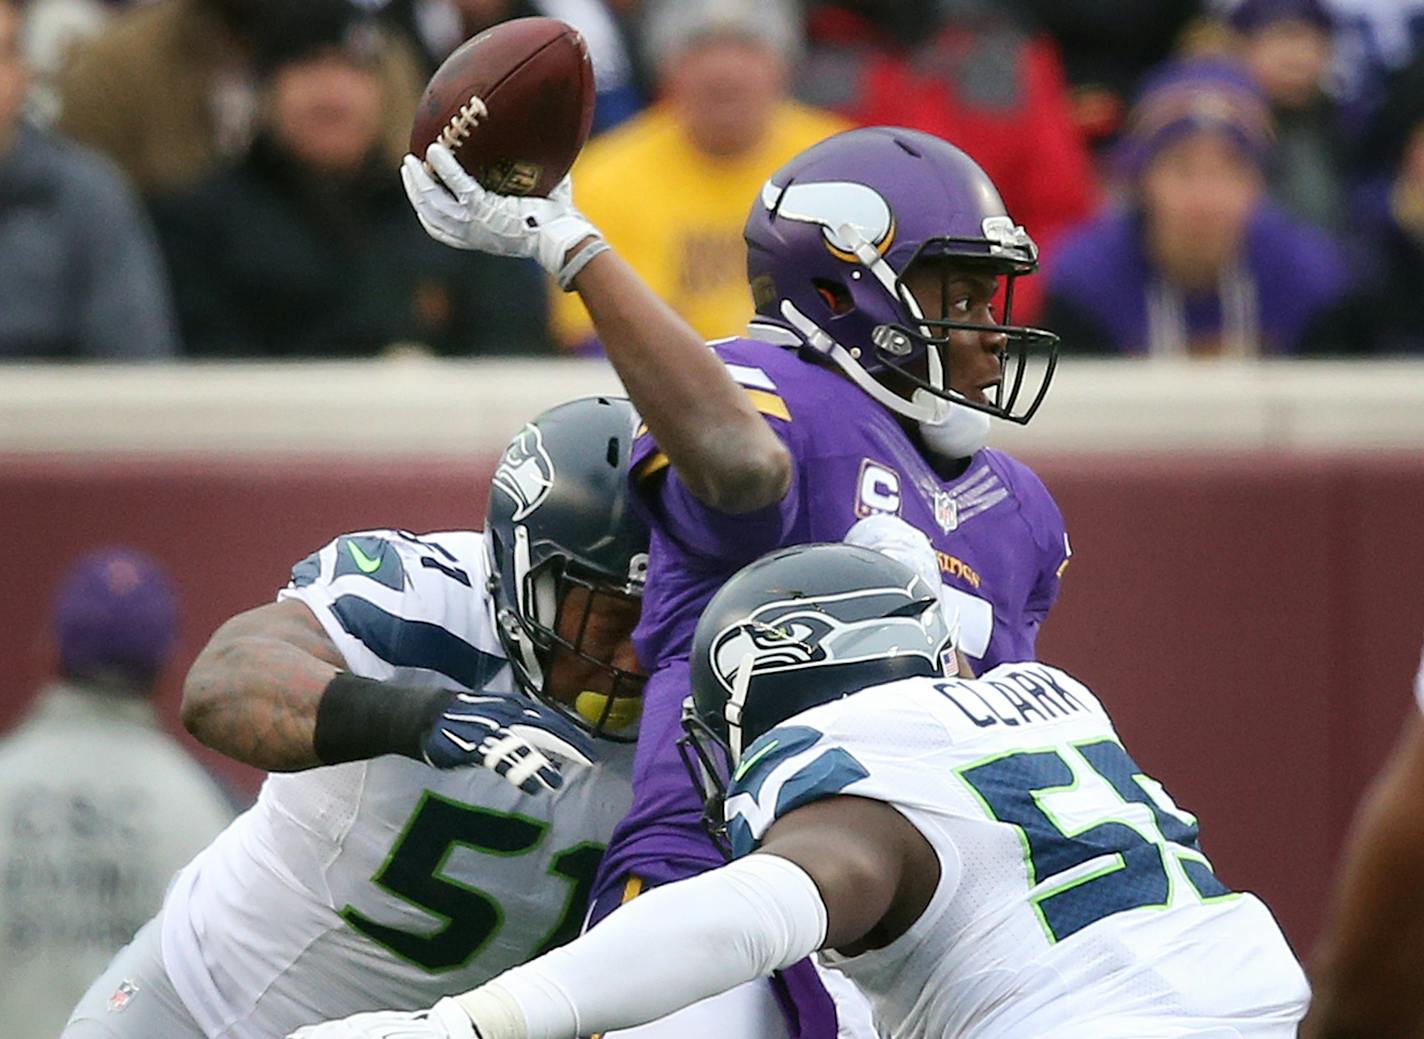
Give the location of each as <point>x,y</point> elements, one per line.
<point>946,511</point>
<point>122,996</point>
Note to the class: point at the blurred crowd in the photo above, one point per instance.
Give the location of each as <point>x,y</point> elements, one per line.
<point>217,178</point>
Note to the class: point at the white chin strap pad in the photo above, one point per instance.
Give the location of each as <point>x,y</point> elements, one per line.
<point>962,432</point>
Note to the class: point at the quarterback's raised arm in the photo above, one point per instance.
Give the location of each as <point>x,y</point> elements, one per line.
<point>722,449</point>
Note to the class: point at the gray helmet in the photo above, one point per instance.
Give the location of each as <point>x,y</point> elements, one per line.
<point>560,516</point>
<point>800,627</point>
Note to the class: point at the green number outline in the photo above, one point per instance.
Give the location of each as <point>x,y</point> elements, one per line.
<point>1158,795</point>
<point>1164,847</point>
<point>582,881</point>
<point>369,928</point>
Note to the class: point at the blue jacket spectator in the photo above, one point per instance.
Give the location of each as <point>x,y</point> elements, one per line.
<point>1197,261</point>
<point>82,275</point>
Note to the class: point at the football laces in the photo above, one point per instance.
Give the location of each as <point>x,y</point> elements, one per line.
<point>463,123</point>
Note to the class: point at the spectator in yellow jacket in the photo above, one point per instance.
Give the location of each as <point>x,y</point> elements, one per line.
<point>669,188</point>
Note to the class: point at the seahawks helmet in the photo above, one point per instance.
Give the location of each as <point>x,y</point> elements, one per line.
<point>560,517</point>
<point>800,627</point>
<point>834,233</point>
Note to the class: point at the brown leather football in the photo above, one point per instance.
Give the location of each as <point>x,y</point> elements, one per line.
<point>514,104</point>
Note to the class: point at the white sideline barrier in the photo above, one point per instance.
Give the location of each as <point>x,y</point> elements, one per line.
<point>421,406</point>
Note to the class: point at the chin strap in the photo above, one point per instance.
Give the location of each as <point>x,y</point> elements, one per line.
<point>871,259</point>
<point>948,431</point>
<point>816,338</point>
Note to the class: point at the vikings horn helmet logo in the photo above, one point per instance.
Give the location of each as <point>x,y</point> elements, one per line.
<point>819,631</point>
<point>525,472</point>
<point>833,205</point>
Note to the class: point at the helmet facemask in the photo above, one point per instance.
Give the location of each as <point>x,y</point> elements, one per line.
<point>907,364</point>
<point>709,762</point>
<point>559,596</point>
<point>918,353</point>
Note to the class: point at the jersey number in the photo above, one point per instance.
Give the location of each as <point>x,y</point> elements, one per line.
<point>414,872</point>
<point>1132,872</point>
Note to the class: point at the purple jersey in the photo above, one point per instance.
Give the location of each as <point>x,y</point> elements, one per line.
<point>998,532</point>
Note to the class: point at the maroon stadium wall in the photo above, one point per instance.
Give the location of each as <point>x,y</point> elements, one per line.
<point>1252,621</point>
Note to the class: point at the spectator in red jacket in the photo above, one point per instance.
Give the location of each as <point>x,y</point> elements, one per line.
<point>966,71</point>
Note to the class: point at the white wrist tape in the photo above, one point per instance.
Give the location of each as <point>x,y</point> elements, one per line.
<point>665,950</point>
<point>581,259</point>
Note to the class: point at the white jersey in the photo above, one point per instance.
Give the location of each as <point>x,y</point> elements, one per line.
<point>1073,899</point>
<point>387,883</point>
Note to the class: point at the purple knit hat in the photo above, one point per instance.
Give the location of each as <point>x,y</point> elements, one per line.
<point>1184,97</point>
<point>115,608</point>
<point>1250,15</point>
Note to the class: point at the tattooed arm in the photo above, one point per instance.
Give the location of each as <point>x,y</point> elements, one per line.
<point>253,691</point>
<point>270,689</point>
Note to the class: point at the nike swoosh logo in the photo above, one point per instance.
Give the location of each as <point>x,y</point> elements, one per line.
<point>746,766</point>
<point>364,563</point>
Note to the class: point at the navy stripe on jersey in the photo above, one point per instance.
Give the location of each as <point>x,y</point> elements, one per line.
<point>410,643</point>
<point>826,775</point>
<point>307,571</point>
<point>769,750</point>
<point>452,572</point>
<point>427,542</point>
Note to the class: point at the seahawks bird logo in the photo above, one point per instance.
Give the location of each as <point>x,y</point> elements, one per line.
<point>817,631</point>
<point>525,472</point>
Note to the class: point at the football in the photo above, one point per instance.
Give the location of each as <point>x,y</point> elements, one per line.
<point>514,104</point>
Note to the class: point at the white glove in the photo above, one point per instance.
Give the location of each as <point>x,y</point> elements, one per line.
<point>445,1020</point>
<point>892,536</point>
<point>469,217</point>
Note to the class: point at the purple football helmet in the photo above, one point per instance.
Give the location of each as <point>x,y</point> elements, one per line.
<point>832,235</point>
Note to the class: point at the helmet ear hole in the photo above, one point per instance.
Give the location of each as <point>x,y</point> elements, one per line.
<point>834,295</point>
